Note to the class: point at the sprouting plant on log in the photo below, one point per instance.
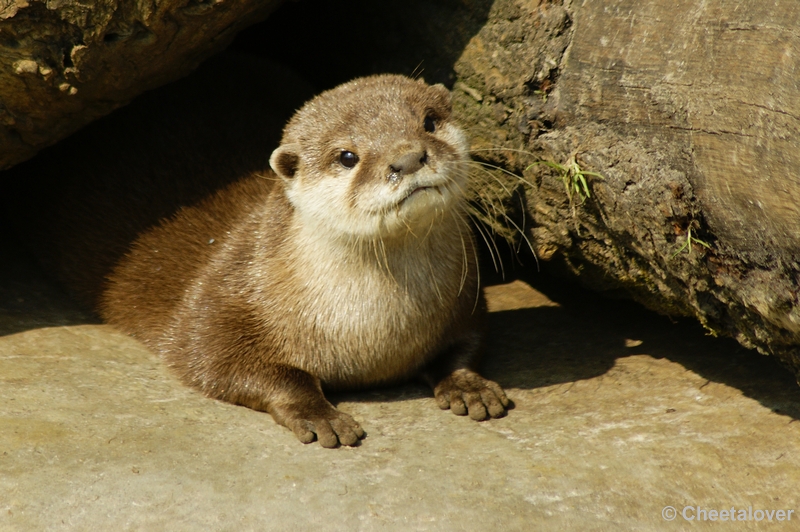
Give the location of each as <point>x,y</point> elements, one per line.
<point>573,177</point>
<point>687,245</point>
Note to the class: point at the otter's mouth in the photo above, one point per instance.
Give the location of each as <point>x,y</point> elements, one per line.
<point>416,191</point>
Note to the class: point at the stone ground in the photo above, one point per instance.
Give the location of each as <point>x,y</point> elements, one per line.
<point>619,414</point>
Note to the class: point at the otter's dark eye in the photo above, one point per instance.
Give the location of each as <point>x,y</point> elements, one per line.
<point>430,124</point>
<point>348,159</point>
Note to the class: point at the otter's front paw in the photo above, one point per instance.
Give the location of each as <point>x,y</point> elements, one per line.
<point>321,421</point>
<point>465,391</point>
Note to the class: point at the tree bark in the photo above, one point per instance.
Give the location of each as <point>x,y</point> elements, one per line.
<point>690,111</point>
<point>66,63</point>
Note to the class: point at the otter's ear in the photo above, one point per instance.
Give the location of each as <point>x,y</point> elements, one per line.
<point>442,91</point>
<point>443,99</point>
<point>285,159</point>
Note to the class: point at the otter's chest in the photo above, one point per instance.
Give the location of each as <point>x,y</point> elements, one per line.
<point>365,327</point>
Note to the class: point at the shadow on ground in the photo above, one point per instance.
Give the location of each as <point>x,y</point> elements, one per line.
<point>28,299</point>
<point>582,335</point>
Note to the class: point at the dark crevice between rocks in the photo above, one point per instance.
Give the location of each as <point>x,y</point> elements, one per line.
<point>329,43</point>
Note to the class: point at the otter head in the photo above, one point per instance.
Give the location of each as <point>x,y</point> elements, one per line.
<point>377,157</point>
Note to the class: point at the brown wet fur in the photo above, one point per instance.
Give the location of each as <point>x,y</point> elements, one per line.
<point>245,306</point>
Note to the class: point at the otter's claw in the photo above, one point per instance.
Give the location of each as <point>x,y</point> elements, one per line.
<point>327,425</point>
<point>464,391</point>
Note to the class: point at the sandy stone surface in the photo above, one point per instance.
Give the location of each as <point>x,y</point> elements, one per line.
<point>619,413</point>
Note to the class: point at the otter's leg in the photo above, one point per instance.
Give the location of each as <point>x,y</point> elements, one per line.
<point>294,399</point>
<point>461,389</point>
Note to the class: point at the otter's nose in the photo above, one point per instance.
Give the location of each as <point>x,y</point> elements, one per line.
<point>408,163</point>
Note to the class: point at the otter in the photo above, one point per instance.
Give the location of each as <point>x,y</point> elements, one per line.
<point>349,263</point>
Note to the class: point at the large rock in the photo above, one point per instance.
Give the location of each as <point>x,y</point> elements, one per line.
<point>690,112</point>
<point>611,426</point>
<point>65,63</point>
